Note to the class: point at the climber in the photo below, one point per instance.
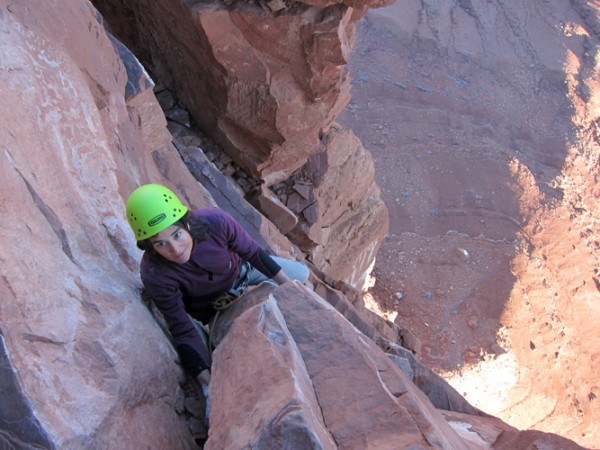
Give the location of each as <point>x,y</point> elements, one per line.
<point>192,258</point>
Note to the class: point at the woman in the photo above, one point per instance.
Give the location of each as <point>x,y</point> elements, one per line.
<point>190,259</point>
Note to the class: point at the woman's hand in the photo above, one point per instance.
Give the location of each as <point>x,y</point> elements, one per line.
<point>281,277</point>
<point>204,377</point>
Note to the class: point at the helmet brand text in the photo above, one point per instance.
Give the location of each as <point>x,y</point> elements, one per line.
<point>157,219</point>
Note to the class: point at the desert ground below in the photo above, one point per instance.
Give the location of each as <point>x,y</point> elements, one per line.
<point>488,165</point>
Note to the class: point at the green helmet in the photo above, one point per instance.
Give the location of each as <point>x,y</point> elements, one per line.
<point>152,208</point>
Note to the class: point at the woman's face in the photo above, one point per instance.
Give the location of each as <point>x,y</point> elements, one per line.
<point>174,244</point>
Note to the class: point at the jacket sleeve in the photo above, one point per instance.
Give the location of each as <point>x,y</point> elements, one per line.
<point>264,263</point>
<point>239,241</point>
<point>168,300</point>
<point>235,237</point>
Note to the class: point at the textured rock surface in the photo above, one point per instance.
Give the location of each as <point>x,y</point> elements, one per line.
<point>341,215</point>
<point>18,425</point>
<point>72,146</point>
<point>264,85</point>
<point>310,334</point>
<point>261,385</point>
<point>399,414</point>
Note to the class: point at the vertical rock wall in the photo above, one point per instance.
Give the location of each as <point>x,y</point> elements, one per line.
<point>83,362</point>
<point>266,81</point>
<point>265,85</point>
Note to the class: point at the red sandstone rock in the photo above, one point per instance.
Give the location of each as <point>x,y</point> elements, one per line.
<point>352,220</point>
<point>364,400</point>
<point>261,395</point>
<point>93,367</point>
<point>356,377</point>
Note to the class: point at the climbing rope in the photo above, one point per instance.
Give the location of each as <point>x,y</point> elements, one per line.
<point>224,301</point>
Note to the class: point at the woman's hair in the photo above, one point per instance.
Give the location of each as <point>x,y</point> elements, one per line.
<point>196,226</point>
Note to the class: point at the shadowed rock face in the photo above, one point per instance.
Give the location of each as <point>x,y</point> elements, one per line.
<point>267,86</point>
<point>84,364</point>
<point>19,425</point>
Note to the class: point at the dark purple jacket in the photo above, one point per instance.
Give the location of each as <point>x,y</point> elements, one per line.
<point>214,264</point>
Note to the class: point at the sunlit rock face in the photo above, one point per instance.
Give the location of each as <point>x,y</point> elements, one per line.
<point>83,362</point>
<point>266,85</point>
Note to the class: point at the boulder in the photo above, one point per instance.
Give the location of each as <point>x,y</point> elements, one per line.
<point>364,400</point>
<point>262,386</point>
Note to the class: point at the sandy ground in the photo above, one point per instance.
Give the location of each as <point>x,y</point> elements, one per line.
<point>487,159</point>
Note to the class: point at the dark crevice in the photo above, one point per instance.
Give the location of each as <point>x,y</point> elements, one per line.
<point>51,217</point>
